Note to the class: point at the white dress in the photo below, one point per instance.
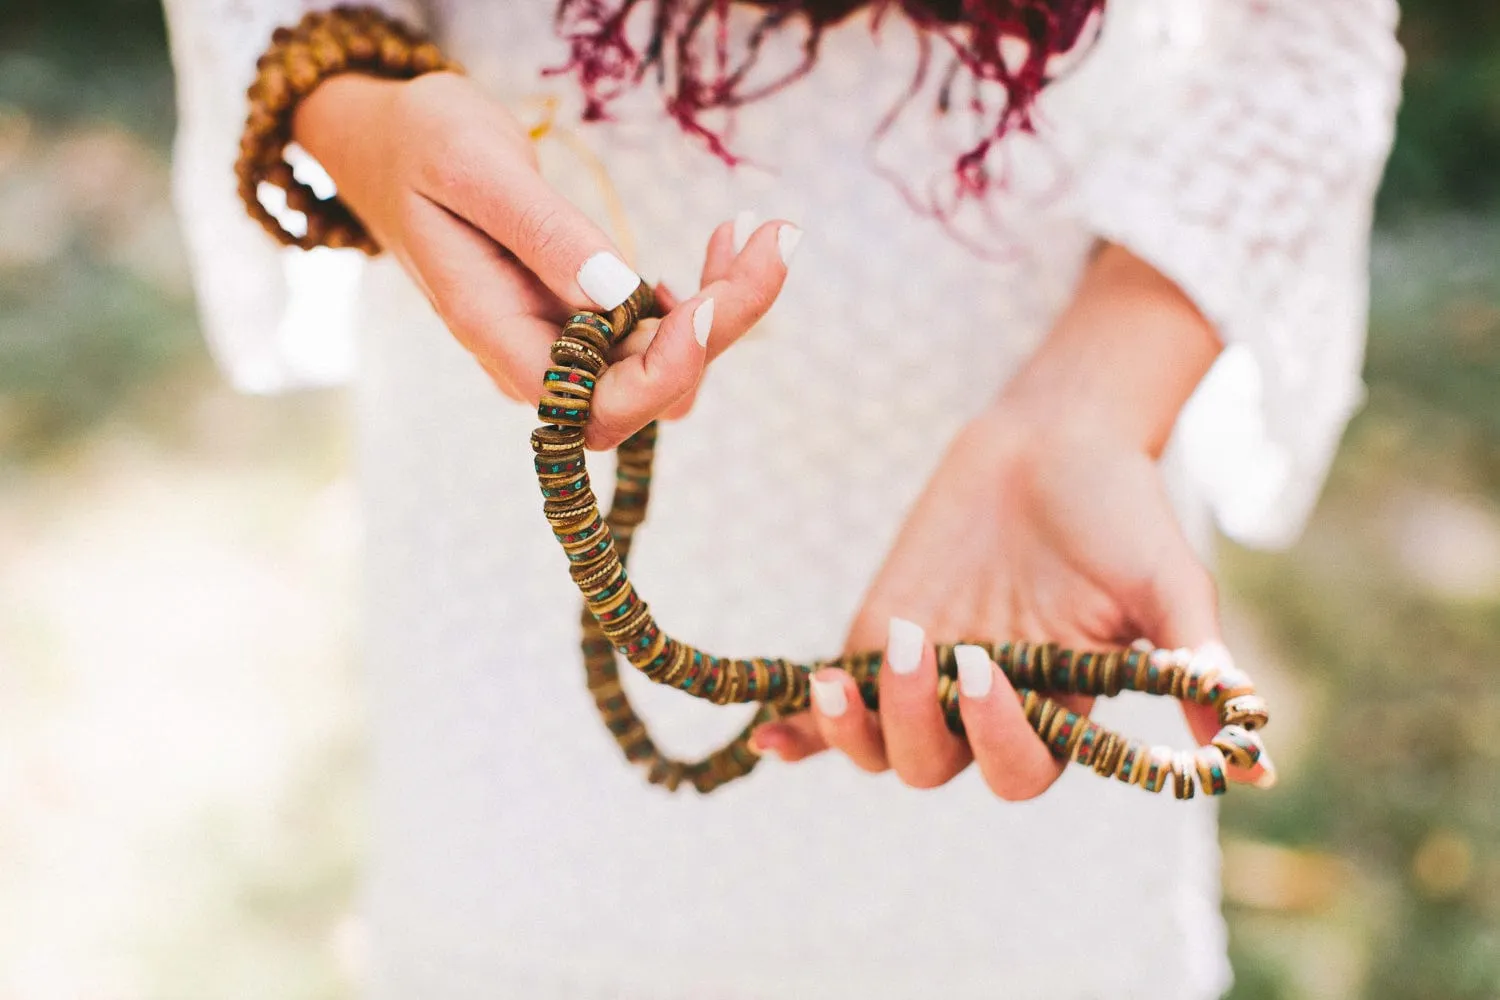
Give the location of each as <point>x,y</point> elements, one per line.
<point>1235,144</point>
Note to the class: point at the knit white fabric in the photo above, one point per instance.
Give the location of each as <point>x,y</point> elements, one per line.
<point>1234,144</point>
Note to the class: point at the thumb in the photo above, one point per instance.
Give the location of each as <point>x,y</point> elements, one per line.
<point>1181,611</point>
<point>638,388</point>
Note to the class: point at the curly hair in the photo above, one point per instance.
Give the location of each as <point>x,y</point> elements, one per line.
<point>688,49</point>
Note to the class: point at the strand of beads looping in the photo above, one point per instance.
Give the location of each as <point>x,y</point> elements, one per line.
<point>617,622</point>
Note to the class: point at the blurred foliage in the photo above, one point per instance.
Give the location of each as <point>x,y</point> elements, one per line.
<point>76,337</point>
<point>1449,127</point>
<point>1403,777</point>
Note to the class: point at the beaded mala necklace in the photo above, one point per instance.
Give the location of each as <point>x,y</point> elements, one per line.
<point>615,620</point>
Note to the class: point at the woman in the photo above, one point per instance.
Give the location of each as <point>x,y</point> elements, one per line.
<point>952,425</point>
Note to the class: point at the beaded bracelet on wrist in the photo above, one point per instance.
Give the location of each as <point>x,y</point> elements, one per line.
<point>321,45</point>
<point>615,620</point>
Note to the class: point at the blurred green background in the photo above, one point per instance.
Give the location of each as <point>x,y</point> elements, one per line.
<point>1373,872</point>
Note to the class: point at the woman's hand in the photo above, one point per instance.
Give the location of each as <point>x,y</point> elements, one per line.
<point>446,179</point>
<point>1047,519</point>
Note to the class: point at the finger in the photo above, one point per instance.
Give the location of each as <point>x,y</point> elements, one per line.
<point>493,306</point>
<point>1182,612</point>
<point>635,345</point>
<point>636,389</point>
<point>918,743</point>
<point>749,287</point>
<point>844,722</point>
<point>1013,760</point>
<point>487,182</point>
<point>724,245</point>
<point>717,272</point>
<point>792,739</point>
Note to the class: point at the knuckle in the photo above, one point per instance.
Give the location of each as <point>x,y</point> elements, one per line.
<point>445,165</point>
<point>413,101</point>
<point>759,298</point>
<point>541,227</point>
<point>426,92</point>
<point>670,383</point>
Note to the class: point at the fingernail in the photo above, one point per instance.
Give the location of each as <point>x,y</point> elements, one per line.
<point>974,677</point>
<point>903,648</point>
<point>787,238</point>
<point>703,321</point>
<point>1268,772</point>
<point>744,225</point>
<point>607,280</point>
<point>829,696</point>
<point>758,743</point>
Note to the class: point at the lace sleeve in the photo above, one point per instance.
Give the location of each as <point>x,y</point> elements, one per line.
<point>1244,166</point>
<point>274,318</point>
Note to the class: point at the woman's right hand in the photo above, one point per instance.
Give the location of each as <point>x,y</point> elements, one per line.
<point>446,179</point>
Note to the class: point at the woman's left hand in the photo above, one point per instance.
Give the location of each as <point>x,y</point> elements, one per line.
<point>1047,519</point>
<point>1017,536</point>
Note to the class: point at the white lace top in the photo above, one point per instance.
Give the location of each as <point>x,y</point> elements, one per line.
<point>1234,144</point>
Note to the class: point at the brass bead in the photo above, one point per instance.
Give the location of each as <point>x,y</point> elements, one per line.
<point>1047,713</point>
<point>1080,672</point>
<point>1158,765</point>
<point>1183,774</point>
<point>1238,744</point>
<point>1131,768</point>
<point>1231,683</point>
<point>1248,710</point>
<point>1031,705</point>
<point>1107,754</point>
<point>1211,765</point>
<point>1026,673</point>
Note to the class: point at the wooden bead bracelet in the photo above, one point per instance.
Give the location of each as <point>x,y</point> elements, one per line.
<point>616,621</point>
<point>321,45</point>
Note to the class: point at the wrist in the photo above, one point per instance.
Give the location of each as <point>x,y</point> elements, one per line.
<point>329,121</point>
<point>1120,363</point>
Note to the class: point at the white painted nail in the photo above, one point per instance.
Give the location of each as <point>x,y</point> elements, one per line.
<point>903,649</point>
<point>607,280</point>
<point>829,697</point>
<point>974,676</point>
<point>1268,773</point>
<point>744,225</point>
<point>703,321</point>
<point>787,238</point>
